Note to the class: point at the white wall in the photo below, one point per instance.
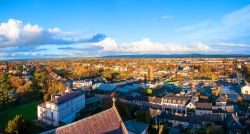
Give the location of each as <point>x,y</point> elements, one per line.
<point>203,112</point>
<point>245,90</point>
<point>64,112</point>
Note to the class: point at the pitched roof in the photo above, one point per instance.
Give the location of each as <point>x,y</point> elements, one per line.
<point>66,97</point>
<point>221,99</point>
<point>204,105</point>
<point>233,122</point>
<point>108,121</point>
<point>157,100</point>
<point>135,126</point>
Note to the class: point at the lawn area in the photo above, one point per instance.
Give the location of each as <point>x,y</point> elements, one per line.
<point>29,111</point>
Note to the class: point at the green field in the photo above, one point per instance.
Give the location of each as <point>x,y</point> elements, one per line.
<point>29,111</point>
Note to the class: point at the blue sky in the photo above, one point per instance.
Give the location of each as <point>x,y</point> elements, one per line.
<point>86,28</point>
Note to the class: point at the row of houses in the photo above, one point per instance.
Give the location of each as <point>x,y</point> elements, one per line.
<point>181,105</point>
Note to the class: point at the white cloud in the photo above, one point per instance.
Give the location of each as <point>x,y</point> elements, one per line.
<point>16,33</point>
<point>232,44</point>
<point>107,44</point>
<point>147,46</point>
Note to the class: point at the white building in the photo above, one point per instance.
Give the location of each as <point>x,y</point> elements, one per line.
<point>246,89</point>
<point>191,105</point>
<point>221,101</point>
<point>175,104</point>
<point>61,108</point>
<point>82,84</point>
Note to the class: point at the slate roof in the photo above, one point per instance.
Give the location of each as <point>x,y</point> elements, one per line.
<point>92,100</point>
<point>135,126</point>
<point>108,121</point>
<point>66,97</point>
<point>232,122</point>
<point>194,119</point>
<point>106,87</point>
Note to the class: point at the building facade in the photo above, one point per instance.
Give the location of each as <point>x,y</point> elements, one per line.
<point>61,108</point>
<point>83,84</point>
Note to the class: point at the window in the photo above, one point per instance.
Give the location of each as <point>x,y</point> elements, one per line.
<point>51,115</point>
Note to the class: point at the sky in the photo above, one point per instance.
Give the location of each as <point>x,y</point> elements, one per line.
<point>93,28</point>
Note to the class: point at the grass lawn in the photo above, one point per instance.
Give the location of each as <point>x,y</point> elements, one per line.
<point>29,111</point>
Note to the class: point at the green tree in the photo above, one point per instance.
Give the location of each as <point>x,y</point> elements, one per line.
<point>40,78</point>
<point>5,88</point>
<point>20,126</point>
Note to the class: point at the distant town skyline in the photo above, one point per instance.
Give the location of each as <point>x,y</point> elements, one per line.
<point>92,28</point>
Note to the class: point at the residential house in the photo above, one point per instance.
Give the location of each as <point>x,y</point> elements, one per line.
<point>177,104</point>
<point>221,101</point>
<point>203,108</point>
<point>82,84</point>
<point>62,108</point>
<point>245,90</point>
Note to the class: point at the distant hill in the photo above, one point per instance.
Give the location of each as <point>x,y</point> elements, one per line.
<point>178,56</point>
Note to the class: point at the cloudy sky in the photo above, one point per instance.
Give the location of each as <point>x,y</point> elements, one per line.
<point>90,28</point>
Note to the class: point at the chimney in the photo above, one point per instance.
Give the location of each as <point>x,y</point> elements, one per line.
<point>62,93</point>
<point>68,90</point>
<point>57,96</point>
<point>52,96</point>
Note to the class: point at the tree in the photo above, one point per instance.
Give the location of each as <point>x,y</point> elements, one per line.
<point>40,79</point>
<point>149,91</point>
<point>5,88</point>
<point>16,81</point>
<point>20,126</point>
<point>54,87</point>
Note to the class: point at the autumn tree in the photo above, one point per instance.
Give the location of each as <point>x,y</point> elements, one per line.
<point>16,81</point>
<point>54,87</point>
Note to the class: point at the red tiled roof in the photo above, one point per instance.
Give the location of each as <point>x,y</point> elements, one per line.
<point>157,100</point>
<point>204,105</point>
<point>107,121</point>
